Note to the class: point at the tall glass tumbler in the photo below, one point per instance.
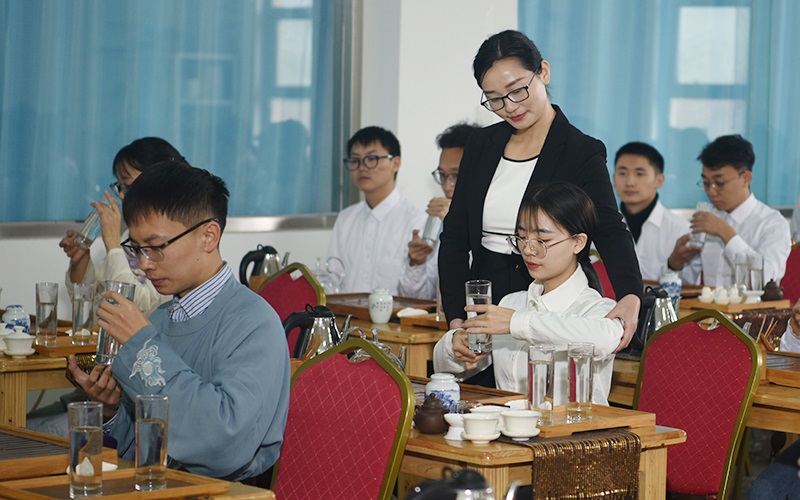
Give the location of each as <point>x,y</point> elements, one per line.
<point>756,272</point>
<point>152,416</point>
<point>46,314</point>
<point>479,292</point>
<point>107,346</point>
<point>89,231</point>
<point>741,271</point>
<point>82,313</point>
<point>699,239</point>
<point>85,420</point>
<point>430,234</point>
<point>541,372</point>
<point>580,372</point>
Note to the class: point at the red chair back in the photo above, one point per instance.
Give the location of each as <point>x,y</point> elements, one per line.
<point>291,289</point>
<point>347,427</point>
<point>701,381</point>
<point>605,281</point>
<point>791,280</point>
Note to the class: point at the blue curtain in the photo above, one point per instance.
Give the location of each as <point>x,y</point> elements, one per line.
<point>678,74</point>
<point>244,89</point>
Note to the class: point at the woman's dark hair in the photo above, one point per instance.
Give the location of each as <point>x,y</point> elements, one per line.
<point>503,45</point>
<point>572,209</point>
<point>143,153</point>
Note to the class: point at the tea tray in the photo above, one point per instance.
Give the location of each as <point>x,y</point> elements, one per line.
<point>734,308</point>
<point>64,347</point>
<point>357,304</point>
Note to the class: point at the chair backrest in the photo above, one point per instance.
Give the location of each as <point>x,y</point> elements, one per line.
<point>605,281</point>
<point>290,289</point>
<point>347,427</point>
<point>702,381</point>
<point>791,279</point>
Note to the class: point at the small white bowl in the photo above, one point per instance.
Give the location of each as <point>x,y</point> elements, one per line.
<point>18,343</point>
<point>753,296</point>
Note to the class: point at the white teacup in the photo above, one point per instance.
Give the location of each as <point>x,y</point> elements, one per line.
<point>18,343</point>
<point>521,422</point>
<point>480,424</point>
<point>497,411</point>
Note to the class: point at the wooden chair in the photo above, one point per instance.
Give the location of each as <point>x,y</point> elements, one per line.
<point>702,381</point>
<point>791,279</point>
<point>290,289</point>
<point>347,427</point>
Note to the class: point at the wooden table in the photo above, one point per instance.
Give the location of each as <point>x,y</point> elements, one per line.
<point>419,342</point>
<point>18,376</point>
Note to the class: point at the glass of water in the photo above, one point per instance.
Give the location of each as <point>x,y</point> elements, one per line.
<point>580,357</point>
<point>89,230</point>
<point>741,271</point>
<point>479,292</point>
<point>541,370</point>
<point>107,346</point>
<point>82,313</point>
<point>152,415</point>
<point>85,420</point>
<point>46,314</point>
<point>756,272</point>
<point>430,235</point>
<point>699,239</point>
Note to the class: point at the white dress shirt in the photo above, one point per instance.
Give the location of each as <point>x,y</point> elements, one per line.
<point>659,233</point>
<point>420,281</point>
<point>789,341</point>
<point>759,230</point>
<point>373,243</point>
<point>796,220</point>
<point>573,312</point>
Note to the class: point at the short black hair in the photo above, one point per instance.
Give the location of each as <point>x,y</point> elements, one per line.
<point>456,136</point>
<point>178,191</point>
<point>728,150</point>
<point>368,135</point>
<point>143,153</point>
<point>642,149</point>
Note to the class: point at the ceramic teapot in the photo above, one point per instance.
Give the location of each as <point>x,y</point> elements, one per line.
<point>266,261</point>
<point>429,417</point>
<point>772,291</point>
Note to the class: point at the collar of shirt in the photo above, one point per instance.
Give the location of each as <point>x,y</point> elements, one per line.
<point>383,208</point>
<point>561,298</point>
<point>740,213</point>
<point>195,302</point>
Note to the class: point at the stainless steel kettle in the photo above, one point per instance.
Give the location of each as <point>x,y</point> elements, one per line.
<point>316,321</point>
<point>266,261</point>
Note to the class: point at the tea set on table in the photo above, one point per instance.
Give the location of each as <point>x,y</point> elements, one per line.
<point>15,343</point>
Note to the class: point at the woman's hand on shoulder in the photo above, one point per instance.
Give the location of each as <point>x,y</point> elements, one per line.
<point>627,309</point>
<point>491,319</point>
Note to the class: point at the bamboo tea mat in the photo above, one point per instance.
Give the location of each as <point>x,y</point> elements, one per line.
<point>16,447</point>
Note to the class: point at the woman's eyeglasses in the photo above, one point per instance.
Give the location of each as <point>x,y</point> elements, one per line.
<point>516,95</point>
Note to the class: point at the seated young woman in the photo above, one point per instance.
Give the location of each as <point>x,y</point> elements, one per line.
<point>560,306</point>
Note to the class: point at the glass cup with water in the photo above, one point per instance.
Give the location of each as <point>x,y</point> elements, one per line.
<point>46,314</point>
<point>699,239</point>
<point>430,235</point>
<point>541,370</point>
<point>82,313</point>
<point>90,229</point>
<point>479,292</point>
<point>108,346</point>
<point>580,373</point>
<point>756,263</point>
<point>85,421</point>
<point>152,416</point>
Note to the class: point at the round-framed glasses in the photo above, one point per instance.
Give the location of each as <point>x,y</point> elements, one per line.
<point>441,177</point>
<point>536,247</point>
<point>516,95</point>
<point>369,161</point>
<point>716,185</point>
<point>155,253</point>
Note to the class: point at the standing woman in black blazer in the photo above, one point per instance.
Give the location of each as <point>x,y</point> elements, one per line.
<point>502,163</point>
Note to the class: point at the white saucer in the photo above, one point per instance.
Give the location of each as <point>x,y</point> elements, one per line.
<point>523,436</point>
<point>20,355</point>
<point>480,439</point>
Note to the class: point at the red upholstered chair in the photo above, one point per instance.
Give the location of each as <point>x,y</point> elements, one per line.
<point>291,289</point>
<point>347,428</point>
<point>791,280</point>
<point>702,381</point>
<point>608,290</point>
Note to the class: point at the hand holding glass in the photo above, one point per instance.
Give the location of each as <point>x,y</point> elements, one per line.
<point>479,292</point>
<point>699,239</point>
<point>107,346</point>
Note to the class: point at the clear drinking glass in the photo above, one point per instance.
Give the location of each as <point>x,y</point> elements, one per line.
<point>479,292</point>
<point>541,370</point>
<point>580,357</point>
<point>46,314</point>
<point>85,420</point>
<point>82,313</point>
<point>152,416</point>
<point>756,263</point>
<point>89,231</point>
<point>107,346</point>
<point>430,235</point>
<point>699,239</point>
<point>741,268</point>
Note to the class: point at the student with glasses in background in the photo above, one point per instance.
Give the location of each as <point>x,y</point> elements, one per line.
<point>740,224</point>
<point>504,163</point>
<point>421,274</point>
<point>128,164</point>
<point>370,237</point>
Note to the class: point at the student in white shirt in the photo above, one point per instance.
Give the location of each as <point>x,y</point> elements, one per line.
<point>421,272</point>
<point>370,237</point>
<point>553,228</point>
<point>739,224</point>
<point>638,174</point>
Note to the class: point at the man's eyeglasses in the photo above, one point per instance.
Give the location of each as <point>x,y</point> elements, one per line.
<point>156,253</point>
<point>716,185</point>
<point>369,161</point>
<point>441,177</point>
<point>516,95</point>
<point>119,189</point>
<point>536,247</point>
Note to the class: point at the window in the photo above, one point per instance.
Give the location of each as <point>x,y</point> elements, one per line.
<point>252,90</point>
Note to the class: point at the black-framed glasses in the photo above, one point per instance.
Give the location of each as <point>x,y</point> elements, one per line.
<point>441,177</point>
<point>156,253</point>
<point>369,161</point>
<point>716,185</point>
<point>536,247</point>
<point>516,95</point>
<point>119,189</point>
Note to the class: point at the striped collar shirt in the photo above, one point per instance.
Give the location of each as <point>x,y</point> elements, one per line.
<point>195,302</point>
